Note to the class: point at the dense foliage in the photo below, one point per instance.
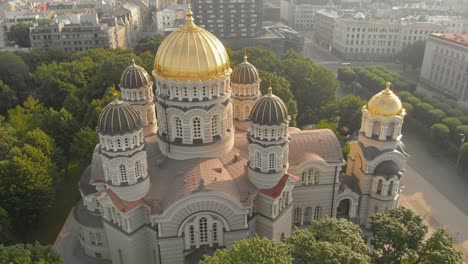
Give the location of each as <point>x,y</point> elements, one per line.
<point>28,254</point>
<point>398,237</point>
<point>412,54</point>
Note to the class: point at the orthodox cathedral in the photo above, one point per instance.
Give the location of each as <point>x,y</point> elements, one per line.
<point>220,162</point>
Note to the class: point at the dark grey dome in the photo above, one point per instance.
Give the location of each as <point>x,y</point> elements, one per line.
<point>245,73</point>
<point>388,169</point>
<point>134,77</point>
<point>118,118</point>
<point>269,110</point>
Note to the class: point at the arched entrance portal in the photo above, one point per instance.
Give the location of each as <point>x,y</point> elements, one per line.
<point>343,209</point>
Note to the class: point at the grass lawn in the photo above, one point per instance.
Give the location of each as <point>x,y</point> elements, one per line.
<point>66,196</point>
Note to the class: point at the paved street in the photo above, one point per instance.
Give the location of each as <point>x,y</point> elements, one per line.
<point>433,188</point>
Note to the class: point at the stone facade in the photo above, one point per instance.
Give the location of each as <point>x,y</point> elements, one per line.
<point>444,68</point>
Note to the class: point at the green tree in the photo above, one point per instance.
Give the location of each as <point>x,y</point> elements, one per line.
<point>26,187</point>
<point>440,134</point>
<point>436,116</point>
<point>452,123</point>
<point>19,33</point>
<point>439,249</point>
<point>349,111</point>
<point>7,98</point>
<point>460,130</point>
<point>83,144</point>
<point>8,138</point>
<point>421,112</point>
<point>27,117</point>
<point>329,241</point>
<point>346,75</point>
<point>61,126</point>
<point>252,251</point>
<point>15,73</point>
<point>397,235</point>
<point>149,44</point>
<point>39,139</point>
<point>28,254</point>
<point>6,234</point>
<point>260,57</point>
<point>412,54</point>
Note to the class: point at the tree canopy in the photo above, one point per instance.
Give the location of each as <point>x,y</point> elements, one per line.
<point>28,254</point>
<point>19,33</point>
<point>412,54</point>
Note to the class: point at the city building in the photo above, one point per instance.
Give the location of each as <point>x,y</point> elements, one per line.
<point>276,37</point>
<point>354,35</point>
<point>61,8</point>
<point>16,17</point>
<point>3,36</point>
<point>299,14</point>
<point>81,33</point>
<point>229,19</point>
<point>445,65</point>
<point>170,18</point>
<point>210,176</point>
<point>271,12</point>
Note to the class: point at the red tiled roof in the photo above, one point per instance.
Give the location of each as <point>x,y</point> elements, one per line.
<point>276,190</point>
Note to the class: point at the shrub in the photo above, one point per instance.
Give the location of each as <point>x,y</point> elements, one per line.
<point>452,123</point>
<point>408,107</point>
<point>440,134</point>
<point>436,116</point>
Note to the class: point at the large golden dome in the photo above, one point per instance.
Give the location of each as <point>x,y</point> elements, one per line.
<point>191,54</point>
<point>385,103</point>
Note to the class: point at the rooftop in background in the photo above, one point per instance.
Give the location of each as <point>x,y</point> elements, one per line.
<point>461,39</point>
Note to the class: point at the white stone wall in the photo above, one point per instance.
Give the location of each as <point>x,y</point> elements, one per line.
<point>135,248</point>
<point>94,242</point>
<point>172,250</point>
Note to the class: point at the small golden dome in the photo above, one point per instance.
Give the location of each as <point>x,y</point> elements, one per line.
<point>245,73</point>
<point>191,54</point>
<point>385,103</point>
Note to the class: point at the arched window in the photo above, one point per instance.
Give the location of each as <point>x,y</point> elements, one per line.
<point>192,234</point>
<point>272,161</point>
<point>303,177</point>
<point>137,169</point>
<point>272,134</point>
<point>379,186</point>
<point>297,216</point>
<point>177,91</point>
<point>309,176</point>
<point>119,143</point>
<point>134,140</point>
<point>391,131</point>
<point>307,214</point>
<point>265,133</point>
<point>258,160</point>
<point>247,111</point>
<point>127,142</point>
<point>203,227</point>
<point>185,92</point>
<point>390,188</point>
<point>214,125</point>
<point>317,213</point>
<point>195,93</point>
<point>123,173</point>
<point>215,232</point>
<point>376,129</point>
<point>316,176</point>
<point>178,126</point>
<point>196,127</point>
<point>149,116</point>
<point>204,91</point>
<point>259,132</point>
<point>110,143</point>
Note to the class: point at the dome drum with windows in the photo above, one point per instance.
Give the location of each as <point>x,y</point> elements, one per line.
<point>118,118</point>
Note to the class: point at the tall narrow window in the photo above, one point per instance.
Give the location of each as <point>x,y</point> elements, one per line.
<point>137,169</point>
<point>192,235</point>
<point>297,215</point>
<point>309,176</point>
<point>203,225</point>
<point>185,92</point>
<point>379,186</point>
<point>215,232</point>
<point>178,126</point>
<point>110,143</point>
<point>119,143</point>
<point>303,177</point>
<point>316,176</point>
<point>134,140</point>
<point>317,213</point>
<point>258,160</point>
<point>127,143</point>
<point>149,116</point>
<point>247,111</point>
<point>204,91</point>
<point>229,119</point>
<point>390,188</point>
<point>195,92</point>
<point>196,123</point>
<point>271,161</point>
<point>123,173</point>
<point>307,214</point>
<point>214,125</point>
